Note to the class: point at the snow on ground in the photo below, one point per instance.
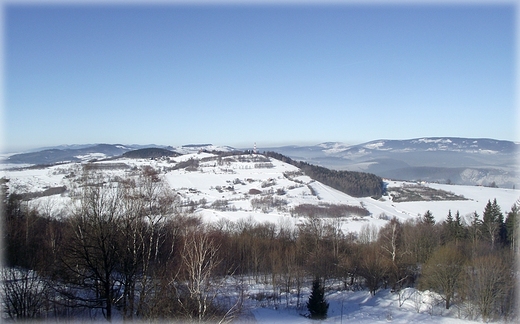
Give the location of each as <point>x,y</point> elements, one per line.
<point>7,166</point>
<point>91,156</point>
<point>31,180</point>
<point>231,179</point>
<point>477,196</point>
<point>408,306</point>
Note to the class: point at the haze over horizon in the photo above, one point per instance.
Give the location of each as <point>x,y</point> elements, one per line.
<point>244,147</point>
<point>176,74</point>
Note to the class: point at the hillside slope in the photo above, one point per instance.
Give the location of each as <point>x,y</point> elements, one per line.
<point>265,189</point>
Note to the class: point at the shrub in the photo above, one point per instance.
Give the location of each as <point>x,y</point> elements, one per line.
<point>254,191</point>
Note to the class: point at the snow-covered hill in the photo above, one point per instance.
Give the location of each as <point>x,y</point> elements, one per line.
<point>480,145</point>
<point>83,153</point>
<point>264,189</point>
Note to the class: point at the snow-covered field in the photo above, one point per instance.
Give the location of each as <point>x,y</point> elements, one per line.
<point>231,179</point>
<point>348,306</point>
<point>360,307</point>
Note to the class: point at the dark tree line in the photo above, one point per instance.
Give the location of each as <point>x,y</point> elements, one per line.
<point>149,153</point>
<point>355,184</point>
<point>328,210</point>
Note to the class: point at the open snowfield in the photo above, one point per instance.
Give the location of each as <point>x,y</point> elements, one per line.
<point>346,306</point>
<point>361,307</point>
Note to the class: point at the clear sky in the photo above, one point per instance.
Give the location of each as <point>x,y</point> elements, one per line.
<point>274,74</point>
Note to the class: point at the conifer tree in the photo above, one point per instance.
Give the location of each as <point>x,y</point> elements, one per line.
<point>449,219</point>
<point>511,226</point>
<point>502,234</point>
<point>460,231</point>
<point>317,305</point>
<point>428,218</point>
<point>474,230</point>
<point>449,228</point>
<point>493,228</point>
<point>453,228</point>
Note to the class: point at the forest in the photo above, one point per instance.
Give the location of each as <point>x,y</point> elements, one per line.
<point>355,184</point>
<point>127,249</point>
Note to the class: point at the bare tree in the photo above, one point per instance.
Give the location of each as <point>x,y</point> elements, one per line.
<point>442,272</point>
<point>200,260</point>
<point>389,237</point>
<point>92,256</point>
<point>368,234</point>
<point>391,241</point>
<point>131,230</point>
<point>156,205</point>
<point>24,294</point>
<point>312,234</point>
<point>373,267</point>
<point>489,283</point>
<point>419,240</point>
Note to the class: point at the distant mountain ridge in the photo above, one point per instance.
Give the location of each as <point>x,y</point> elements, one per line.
<point>79,153</point>
<point>473,161</point>
<point>56,155</point>
<point>453,144</point>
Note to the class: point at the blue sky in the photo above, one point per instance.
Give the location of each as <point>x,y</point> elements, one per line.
<point>234,75</point>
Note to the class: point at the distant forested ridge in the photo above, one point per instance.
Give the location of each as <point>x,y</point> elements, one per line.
<point>147,153</point>
<point>355,184</point>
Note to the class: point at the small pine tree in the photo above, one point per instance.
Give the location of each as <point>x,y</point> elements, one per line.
<point>449,219</point>
<point>474,230</point>
<point>428,218</point>
<point>460,231</point>
<point>317,305</point>
<point>449,228</point>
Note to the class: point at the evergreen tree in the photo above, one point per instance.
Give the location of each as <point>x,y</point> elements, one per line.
<point>502,234</point>
<point>428,218</point>
<point>453,228</point>
<point>449,219</point>
<point>317,305</point>
<point>511,227</point>
<point>460,231</point>
<point>474,230</point>
<point>493,228</point>
<point>449,228</point>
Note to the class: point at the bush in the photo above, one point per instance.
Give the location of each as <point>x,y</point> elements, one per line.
<point>254,191</point>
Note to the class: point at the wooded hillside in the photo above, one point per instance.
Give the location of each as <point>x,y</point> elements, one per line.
<point>355,184</point>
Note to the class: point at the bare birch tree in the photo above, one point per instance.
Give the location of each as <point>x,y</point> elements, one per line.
<point>200,260</point>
